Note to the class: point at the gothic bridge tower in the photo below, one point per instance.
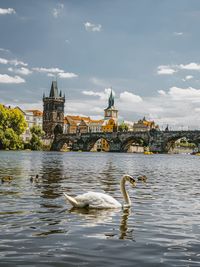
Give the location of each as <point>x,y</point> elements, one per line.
<point>53,111</point>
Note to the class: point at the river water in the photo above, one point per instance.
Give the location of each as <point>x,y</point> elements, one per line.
<point>38,227</point>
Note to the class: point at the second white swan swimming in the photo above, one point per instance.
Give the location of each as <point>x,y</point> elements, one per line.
<point>98,200</point>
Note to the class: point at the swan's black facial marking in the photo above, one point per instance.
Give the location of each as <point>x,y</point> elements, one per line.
<point>132,181</point>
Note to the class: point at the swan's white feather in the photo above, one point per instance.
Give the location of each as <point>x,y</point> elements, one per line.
<point>96,200</point>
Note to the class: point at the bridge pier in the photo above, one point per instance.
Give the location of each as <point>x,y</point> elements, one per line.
<point>156,142</point>
<point>198,147</point>
<point>80,146</point>
<point>157,148</point>
<point>115,147</point>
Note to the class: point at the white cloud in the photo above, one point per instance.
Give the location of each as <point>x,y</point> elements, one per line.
<point>103,95</point>
<point>161,92</point>
<point>185,94</point>
<point>51,75</point>
<point>22,70</point>
<point>190,66</point>
<point>58,10</point>
<point>14,62</point>
<point>96,117</point>
<point>7,11</point>
<point>67,75</point>
<point>97,110</point>
<point>171,69</point>
<point>165,70</point>
<point>27,106</point>
<point>3,61</point>
<point>46,70</point>
<point>178,33</point>
<point>98,82</point>
<point>52,72</point>
<point>90,27</point>
<point>71,109</point>
<point>187,78</point>
<point>4,78</point>
<point>92,93</point>
<point>4,50</point>
<point>128,97</point>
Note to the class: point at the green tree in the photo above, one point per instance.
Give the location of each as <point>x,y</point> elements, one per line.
<point>123,127</point>
<point>17,121</point>
<point>37,134</point>
<point>12,125</point>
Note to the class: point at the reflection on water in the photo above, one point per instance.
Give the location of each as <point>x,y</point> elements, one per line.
<point>125,233</point>
<point>95,217</point>
<point>38,228</point>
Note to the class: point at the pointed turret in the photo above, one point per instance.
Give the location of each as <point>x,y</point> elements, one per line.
<point>54,89</point>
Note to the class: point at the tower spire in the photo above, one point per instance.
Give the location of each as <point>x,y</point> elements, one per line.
<point>111,100</point>
<point>54,89</point>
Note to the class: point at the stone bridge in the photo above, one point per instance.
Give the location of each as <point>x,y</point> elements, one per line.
<point>157,141</point>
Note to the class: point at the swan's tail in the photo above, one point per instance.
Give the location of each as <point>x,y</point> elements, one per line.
<point>72,200</point>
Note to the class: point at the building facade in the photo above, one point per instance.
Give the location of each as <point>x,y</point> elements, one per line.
<point>95,126</point>
<point>33,117</point>
<point>53,111</point>
<point>144,125</point>
<point>76,124</point>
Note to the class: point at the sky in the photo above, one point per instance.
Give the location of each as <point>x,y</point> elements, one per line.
<point>147,51</point>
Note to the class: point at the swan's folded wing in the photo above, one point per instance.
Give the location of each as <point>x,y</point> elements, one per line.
<point>97,200</point>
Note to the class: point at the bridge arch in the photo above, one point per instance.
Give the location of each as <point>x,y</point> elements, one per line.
<point>58,144</point>
<point>132,139</point>
<point>58,129</point>
<point>92,140</point>
<point>170,141</point>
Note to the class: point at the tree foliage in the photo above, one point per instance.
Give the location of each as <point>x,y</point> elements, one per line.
<point>123,127</point>
<point>37,134</point>
<point>12,125</point>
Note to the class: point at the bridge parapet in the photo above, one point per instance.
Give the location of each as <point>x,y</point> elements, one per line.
<point>157,141</point>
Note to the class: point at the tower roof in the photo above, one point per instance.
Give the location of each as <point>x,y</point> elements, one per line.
<point>54,89</point>
<point>111,100</point>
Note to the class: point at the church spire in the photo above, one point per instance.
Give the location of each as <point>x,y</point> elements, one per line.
<point>111,100</point>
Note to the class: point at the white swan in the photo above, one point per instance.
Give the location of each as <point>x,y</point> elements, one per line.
<point>97,200</point>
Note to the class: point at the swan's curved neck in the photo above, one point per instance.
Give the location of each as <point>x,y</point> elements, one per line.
<point>124,192</point>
